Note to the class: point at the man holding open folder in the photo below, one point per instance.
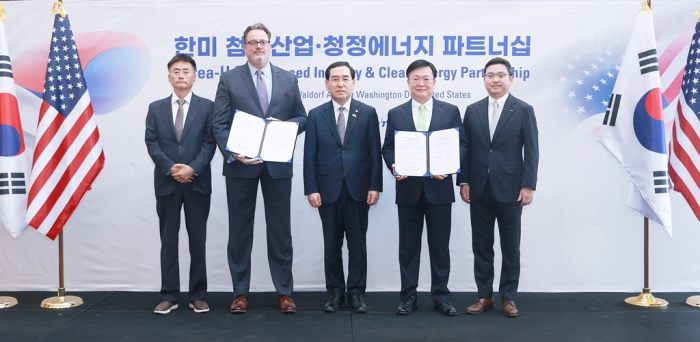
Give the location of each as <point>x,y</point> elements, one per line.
<point>423,198</point>
<point>262,89</point>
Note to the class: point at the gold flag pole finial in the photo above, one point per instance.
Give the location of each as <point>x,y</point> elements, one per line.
<point>2,13</point>
<point>58,9</point>
<point>696,14</point>
<point>645,7</point>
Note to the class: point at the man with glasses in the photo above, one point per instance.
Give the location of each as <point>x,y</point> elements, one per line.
<point>423,198</point>
<point>498,178</point>
<point>262,89</point>
<point>343,178</point>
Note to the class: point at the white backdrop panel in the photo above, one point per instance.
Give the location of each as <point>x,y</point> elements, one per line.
<point>577,236</point>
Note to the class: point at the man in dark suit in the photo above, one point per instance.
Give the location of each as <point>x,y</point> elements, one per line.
<point>264,90</point>
<point>420,198</point>
<point>342,178</point>
<point>180,142</point>
<point>498,178</point>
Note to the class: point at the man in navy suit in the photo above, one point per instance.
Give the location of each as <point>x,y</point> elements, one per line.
<point>498,178</point>
<point>420,198</point>
<point>342,178</point>
<point>180,142</point>
<point>262,89</point>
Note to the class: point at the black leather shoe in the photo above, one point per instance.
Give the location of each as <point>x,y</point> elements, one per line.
<point>334,303</point>
<point>356,303</point>
<point>407,306</point>
<point>446,309</point>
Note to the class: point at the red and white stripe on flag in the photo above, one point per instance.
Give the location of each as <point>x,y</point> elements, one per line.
<point>684,159</point>
<point>68,154</point>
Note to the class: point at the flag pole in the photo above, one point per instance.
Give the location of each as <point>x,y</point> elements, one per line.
<point>61,301</point>
<point>647,299</point>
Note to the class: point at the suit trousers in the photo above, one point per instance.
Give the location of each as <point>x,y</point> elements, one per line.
<point>345,217</point>
<point>242,195</point>
<point>484,213</point>
<point>438,219</point>
<point>196,213</point>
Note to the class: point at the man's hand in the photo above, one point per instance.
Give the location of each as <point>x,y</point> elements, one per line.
<point>526,195</point>
<point>372,197</point>
<point>272,119</point>
<point>393,172</point>
<point>245,160</point>
<point>183,173</point>
<point>464,192</point>
<point>439,177</point>
<point>314,199</point>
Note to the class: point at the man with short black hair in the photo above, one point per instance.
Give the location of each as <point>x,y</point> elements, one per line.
<point>423,198</point>
<point>498,178</point>
<point>343,178</point>
<point>180,142</point>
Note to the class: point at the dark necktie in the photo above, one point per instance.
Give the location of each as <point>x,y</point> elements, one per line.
<point>179,119</point>
<point>262,92</point>
<point>341,124</point>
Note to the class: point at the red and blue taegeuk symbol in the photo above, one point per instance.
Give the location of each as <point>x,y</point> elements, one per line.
<point>116,66</point>
<point>649,121</point>
<point>11,141</point>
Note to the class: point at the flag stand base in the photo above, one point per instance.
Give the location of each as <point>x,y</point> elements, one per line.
<point>61,301</point>
<point>6,302</point>
<point>692,301</point>
<point>647,299</point>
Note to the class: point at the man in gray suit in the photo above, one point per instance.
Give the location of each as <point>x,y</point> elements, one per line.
<point>262,89</point>
<point>180,142</point>
<point>498,178</point>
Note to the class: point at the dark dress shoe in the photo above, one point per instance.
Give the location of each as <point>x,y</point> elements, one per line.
<point>357,305</point>
<point>287,304</point>
<point>407,306</point>
<point>239,305</point>
<point>446,309</point>
<point>481,305</point>
<point>334,303</point>
<point>509,309</point>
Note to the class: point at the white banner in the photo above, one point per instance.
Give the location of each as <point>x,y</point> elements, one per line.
<point>578,235</point>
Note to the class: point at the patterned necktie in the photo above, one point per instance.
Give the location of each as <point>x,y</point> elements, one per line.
<point>421,124</point>
<point>493,121</point>
<point>179,119</point>
<point>341,124</point>
<point>262,92</point>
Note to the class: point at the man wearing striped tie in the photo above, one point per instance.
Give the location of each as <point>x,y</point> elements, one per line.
<point>423,198</point>
<point>343,178</point>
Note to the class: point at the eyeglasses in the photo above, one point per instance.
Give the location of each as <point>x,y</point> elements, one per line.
<point>417,80</point>
<point>500,76</point>
<point>262,43</point>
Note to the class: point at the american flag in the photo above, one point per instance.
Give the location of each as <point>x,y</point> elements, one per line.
<point>68,154</point>
<point>684,160</point>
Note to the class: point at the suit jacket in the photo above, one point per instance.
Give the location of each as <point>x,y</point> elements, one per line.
<point>236,91</point>
<point>195,148</point>
<point>400,118</point>
<point>510,160</point>
<point>327,161</point>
